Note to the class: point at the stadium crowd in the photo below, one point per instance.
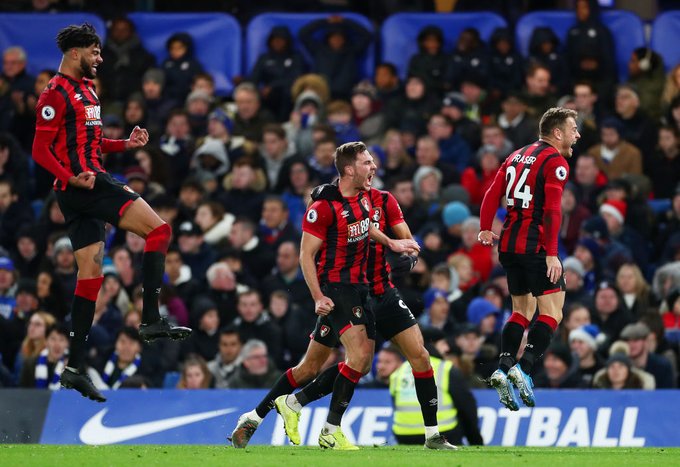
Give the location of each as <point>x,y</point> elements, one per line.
<point>233,177</point>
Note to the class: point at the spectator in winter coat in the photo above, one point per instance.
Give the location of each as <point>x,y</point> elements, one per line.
<point>505,64</point>
<point>544,48</point>
<point>616,157</point>
<point>125,60</point>
<point>664,167</point>
<point>180,66</point>
<point>276,70</point>
<point>590,49</point>
<point>646,73</point>
<point>430,62</point>
<point>336,55</point>
<point>469,57</point>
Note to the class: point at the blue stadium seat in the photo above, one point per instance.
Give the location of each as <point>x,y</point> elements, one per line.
<point>36,33</point>
<point>217,40</point>
<point>259,27</point>
<point>660,205</point>
<point>171,379</point>
<point>666,36</point>
<point>626,28</point>
<point>400,32</point>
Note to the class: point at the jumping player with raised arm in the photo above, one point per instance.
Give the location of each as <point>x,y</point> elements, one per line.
<point>68,142</point>
<point>531,179</point>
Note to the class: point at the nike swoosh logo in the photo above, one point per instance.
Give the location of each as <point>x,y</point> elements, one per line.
<point>95,433</point>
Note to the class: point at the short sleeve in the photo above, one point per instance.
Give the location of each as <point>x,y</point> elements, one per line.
<point>556,172</point>
<point>317,219</point>
<point>49,112</point>
<point>393,212</point>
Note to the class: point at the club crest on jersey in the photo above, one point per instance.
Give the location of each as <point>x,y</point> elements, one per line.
<point>358,231</point>
<point>364,203</point>
<point>357,311</point>
<point>93,115</point>
<point>561,173</point>
<point>324,330</point>
<point>377,214</point>
<point>312,216</point>
<point>48,113</point>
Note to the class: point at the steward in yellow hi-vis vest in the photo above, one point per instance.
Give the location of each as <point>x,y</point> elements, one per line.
<point>456,418</point>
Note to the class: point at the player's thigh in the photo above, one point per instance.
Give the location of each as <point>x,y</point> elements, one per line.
<point>524,304</point>
<point>513,264</point>
<point>140,218</point>
<point>552,304</point>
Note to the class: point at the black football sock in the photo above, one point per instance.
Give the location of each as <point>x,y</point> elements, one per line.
<point>511,339</point>
<point>343,390</point>
<point>153,268</point>
<point>284,385</point>
<point>82,314</point>
<point>320,387</point>
<point>540,336</point>
<point>426,390</point>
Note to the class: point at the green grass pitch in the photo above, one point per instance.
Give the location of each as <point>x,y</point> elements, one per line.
<point>203,456</point>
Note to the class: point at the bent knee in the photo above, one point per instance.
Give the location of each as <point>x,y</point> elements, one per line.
<point>306,371</point>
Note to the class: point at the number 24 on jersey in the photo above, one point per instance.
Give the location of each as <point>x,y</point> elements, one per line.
<point>521,190</point>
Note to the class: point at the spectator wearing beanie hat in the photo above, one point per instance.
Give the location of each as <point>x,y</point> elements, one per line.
<point>615,156</point>
<point>368,119</point>
<point>559,371</point>
<point>583,343</point>
<point>205,338</point>
<point>588,252</point>
<point>618,374</point>
<point>614,214</point>
<point>453,216</point>
<point>158,106</point>
<point>574,273</point>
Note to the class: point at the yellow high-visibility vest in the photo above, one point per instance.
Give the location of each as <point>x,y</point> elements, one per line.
<point>407,418</point>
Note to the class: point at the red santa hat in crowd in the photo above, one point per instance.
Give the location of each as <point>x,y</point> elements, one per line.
<point>616,208</point>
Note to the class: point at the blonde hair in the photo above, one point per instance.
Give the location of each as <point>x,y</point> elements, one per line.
<point>31,348</point>
<point>195,360</point>
<point>670,89</point>
<point>641,285</point>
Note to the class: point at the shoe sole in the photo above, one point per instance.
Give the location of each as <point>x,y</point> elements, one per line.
<point>175,336</point>
<point>525,392</point>
<point>93,397</point>
<point>237,440</point>
<point>285,426</point>
<point>325,445</point>
<point>510,404</point>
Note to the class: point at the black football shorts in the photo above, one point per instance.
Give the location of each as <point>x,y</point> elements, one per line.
<point>392,315</point>
<point>86,211</point>
<point>351,309</point>
<point>529,274</point>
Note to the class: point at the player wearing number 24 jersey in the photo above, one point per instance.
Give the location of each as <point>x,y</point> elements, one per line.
<point>531,179</point>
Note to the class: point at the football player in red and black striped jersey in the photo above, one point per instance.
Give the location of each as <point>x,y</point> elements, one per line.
<point>531,179</point>
<point>69,143</point>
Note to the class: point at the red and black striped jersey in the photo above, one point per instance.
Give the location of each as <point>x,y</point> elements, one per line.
<point>71,109</point>
<point>385,212</point>
<point>532,179</point>
<point>343,227</point>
